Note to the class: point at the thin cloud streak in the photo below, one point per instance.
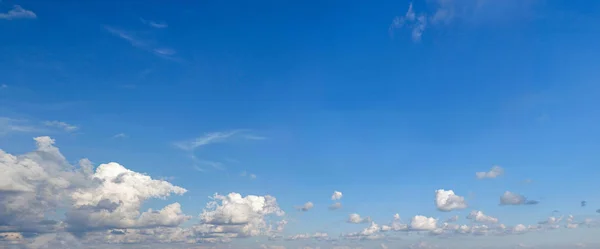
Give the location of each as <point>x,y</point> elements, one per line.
<point>158,25</point>
<point>166,53</point>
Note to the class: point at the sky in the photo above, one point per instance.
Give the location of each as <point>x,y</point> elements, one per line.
<point>299,124</point>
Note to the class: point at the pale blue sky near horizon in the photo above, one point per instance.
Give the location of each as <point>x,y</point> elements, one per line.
<point>329,98</point>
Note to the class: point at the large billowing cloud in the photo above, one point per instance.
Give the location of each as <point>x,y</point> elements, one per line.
<point>41,182</point>
<point>446,200</point>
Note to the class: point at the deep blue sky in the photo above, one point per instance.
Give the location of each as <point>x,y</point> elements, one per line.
<point>342,102</point>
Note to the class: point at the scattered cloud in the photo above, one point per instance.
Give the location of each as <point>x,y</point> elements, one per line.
<point>18,12</point>
<point>447,201</point>
<point>307,206</point>
<point>356,219</point>
<point>423,223</point>
<point>493,173</point>
<point>61,125</point>
<point>410,20</point>
<point>510,198</point>
<point>166,53</point>
<point>480,217</point>
<point>249,175</point>
<point>209,138</point>
<point>337,195</point>
<point>120,135</point>
<point>3,86</point>
<point>335,206</point>
<point>11,125</point>
<point>154,24</point>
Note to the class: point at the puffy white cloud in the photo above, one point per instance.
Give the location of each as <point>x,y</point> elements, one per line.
<point>395,225</point>
<point>520,228</point>
<point>307,206</point>
<point>305,236</point>
<point>420,222</point>
<point>480,217</point>
<point>41,182</point>
<point>510,198</point>
<point>115,202</point>
<point>241,216</point>
<point>493,173</point>
<point>336,195</point>
<point>369,233</point>
<point>356,219</point>
<point>34,184</point>
<point>446,200</point>
<point>335,206</point>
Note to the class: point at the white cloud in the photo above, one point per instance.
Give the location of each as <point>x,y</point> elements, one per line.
<point>356,219</point>
<point>11,125</point>
<point>209,138</point>
<point>416,23</point>
<point>493,173</point>
<point>120,135</point>
<point>61,125</point>
<point>446,200</point>
<point>166,53</point>
<point>420,222</point>
<point>336,195</point>
<point>17,12</point>
<point>510,198</point>
<point>480,217</point>
<point>335,206</point>
<point>237,215</point>
<point>307,206</point>
<point>249,175</point>
<point>154,24</point>
<point>116,201</point>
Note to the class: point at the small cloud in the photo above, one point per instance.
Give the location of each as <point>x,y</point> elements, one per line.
<point>3,86</point>
<point>447,201</point>
<point>120,135</point>
<point>254,137</point>
<point>61,125</point>
<point>416,23</point>
<point>307,206</point>
<point>356,219</point>
<point>249,175</point>
<point>10,125</point>
<point>17,12</point>
<point>197,168</point>
<point>212,138</point>
<point>158,25</point>
<point>493,173</point>
<point>336,195</point>
<point>166,53</point>
<point>335,206</point>
<point>510,198</point>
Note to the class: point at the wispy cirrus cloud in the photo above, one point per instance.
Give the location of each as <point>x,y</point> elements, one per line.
<point>216,137</point>
<point>61,125</point>
<point>18,12</point>
<point>11,125</point>
<point>154,24</point>
<point>163,52</point>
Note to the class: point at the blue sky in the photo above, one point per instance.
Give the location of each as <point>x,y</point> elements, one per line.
<point>386,102</point>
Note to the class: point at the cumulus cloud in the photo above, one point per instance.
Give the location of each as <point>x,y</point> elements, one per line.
<point>510,198</point>
<point>115,201</point>
<point>41,182</point>
<point>337,195</point>
<point>356,219</point>
<point>18,12</point>
<point>306,236</point>
<point>307,206</point>
<point>423,223</point>
<point>493,173</point>
<point>369,233</point>
<point>480,217</point>
<point>237,215</point>
<point>447,201</point>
